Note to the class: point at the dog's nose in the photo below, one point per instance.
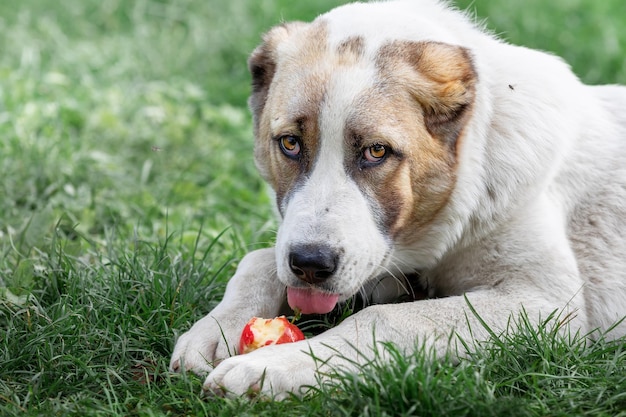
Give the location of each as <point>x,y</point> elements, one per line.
<point>313,263</point>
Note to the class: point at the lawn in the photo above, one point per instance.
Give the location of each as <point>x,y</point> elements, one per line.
<point>128,194</point>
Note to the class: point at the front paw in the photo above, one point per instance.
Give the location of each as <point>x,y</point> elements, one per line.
<point>272,371</point>
<point>207,343</point>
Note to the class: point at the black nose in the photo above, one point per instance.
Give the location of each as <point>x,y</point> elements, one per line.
<point>313,263</point>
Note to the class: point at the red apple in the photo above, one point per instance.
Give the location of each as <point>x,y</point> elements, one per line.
<point>260,332</point>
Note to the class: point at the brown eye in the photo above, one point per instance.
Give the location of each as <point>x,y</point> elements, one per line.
<point>289,145</point>
<point>375,153</point>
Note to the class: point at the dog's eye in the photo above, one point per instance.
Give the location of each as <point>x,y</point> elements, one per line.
<point>290,145</point>
<point>375,153</point>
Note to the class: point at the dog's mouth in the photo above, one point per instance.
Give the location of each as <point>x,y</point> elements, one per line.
<point>311,301</point>
<point>310,291</point>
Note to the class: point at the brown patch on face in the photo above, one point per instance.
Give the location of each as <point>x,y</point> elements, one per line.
<point>415,180</point>
<point>442,79</point>
<point>262,65</point>
<point>290,71</point>
<point>285,98</point>
<point>418,108</point>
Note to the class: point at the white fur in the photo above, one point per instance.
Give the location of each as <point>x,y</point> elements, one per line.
<point>550,149</point>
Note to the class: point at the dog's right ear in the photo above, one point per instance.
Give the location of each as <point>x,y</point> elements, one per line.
<point>262,65</point>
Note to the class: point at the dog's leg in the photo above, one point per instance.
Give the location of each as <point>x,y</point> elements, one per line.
<point>253,291</point>
<point>438,323</point>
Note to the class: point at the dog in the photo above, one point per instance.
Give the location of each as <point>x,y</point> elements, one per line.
<point>409,148</point>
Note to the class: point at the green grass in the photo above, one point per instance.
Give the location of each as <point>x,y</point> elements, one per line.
<point>529,372</point>
<point>129,192</point>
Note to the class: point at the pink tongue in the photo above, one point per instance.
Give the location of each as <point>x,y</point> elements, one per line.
<point>310,301</point>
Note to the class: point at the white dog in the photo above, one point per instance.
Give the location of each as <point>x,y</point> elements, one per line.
<point>399,137</point>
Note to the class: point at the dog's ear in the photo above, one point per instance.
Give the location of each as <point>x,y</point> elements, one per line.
<point>441,77</point>
<point>262,66</point>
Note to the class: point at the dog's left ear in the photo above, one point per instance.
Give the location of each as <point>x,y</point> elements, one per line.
<point>262,66</point>
<point>441,77</point>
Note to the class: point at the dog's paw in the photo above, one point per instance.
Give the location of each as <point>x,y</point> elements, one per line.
<point>206,344</point>
<point>272,371</point>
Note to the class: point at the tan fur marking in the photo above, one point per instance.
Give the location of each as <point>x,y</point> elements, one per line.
<point>351,50</point>
<point>419,107</point>
<point>442,79</point>
<point>262,65</point>
<point>288,102</point>
<point>414,183</point>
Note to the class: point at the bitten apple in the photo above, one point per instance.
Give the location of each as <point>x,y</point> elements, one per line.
<point>260,332</point>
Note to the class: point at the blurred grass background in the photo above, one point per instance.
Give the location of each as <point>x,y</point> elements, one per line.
<point>128,187</point>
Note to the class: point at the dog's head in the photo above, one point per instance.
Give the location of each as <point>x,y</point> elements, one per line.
<point>358,138</point>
